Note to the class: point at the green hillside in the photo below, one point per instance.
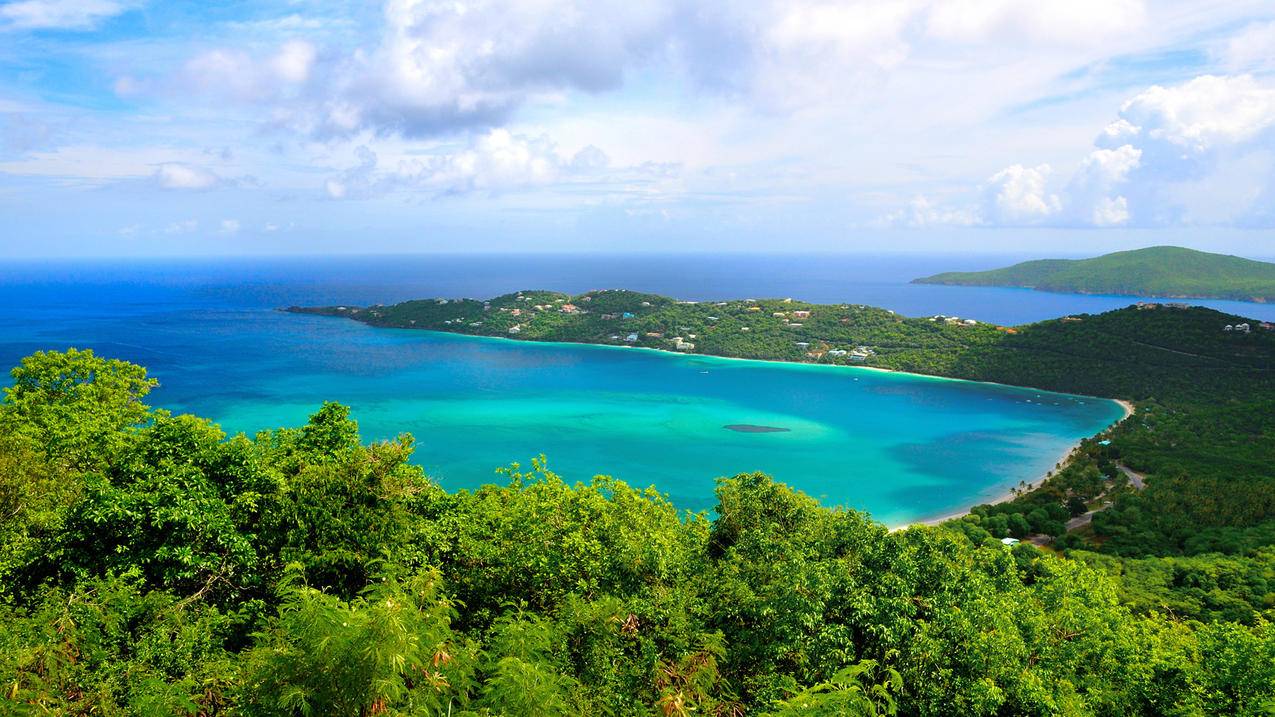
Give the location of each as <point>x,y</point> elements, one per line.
<point>1166,271</point>
<point>1204,394</point>
<point>152,565</point>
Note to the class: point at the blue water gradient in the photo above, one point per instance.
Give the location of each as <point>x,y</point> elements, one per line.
<point>902,447</point>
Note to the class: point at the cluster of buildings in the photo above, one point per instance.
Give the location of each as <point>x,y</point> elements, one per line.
<point>953,320</point>
<point>857,354</point>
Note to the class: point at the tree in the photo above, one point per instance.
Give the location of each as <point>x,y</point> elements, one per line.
<point>1018,525</point>
<point>76,405</point>
<point>390,648</point>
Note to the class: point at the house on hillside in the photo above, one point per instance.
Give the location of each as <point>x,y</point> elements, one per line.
<point>801,314</point>
<point>861,353</point>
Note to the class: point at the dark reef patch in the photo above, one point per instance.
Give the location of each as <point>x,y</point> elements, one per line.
<point>751,428</point>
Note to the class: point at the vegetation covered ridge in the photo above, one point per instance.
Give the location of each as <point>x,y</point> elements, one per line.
<point>1202,441</point>
<point>1128,353</point>
<point>1164,271</point>
<point>151,565</point>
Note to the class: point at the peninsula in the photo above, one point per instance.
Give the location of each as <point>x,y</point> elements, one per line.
<point>1203,382</point>
<point>1163,271</point>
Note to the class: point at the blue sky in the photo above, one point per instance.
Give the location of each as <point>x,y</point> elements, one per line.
<point>1055,127</point>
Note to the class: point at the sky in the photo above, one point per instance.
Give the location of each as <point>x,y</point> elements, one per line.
<point>1052,127</point>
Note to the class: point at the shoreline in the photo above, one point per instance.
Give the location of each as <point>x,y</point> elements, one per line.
<point>1010,494</point>
<point>1003,497</point>
<point>773,362</point>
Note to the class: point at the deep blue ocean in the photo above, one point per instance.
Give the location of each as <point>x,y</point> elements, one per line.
<point>902,447</point>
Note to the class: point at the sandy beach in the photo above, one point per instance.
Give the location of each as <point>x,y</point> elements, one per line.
<point>1010,493</point>
<point>1007,495</point>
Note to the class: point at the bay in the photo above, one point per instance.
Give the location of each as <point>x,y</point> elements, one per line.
<point>902,447</point>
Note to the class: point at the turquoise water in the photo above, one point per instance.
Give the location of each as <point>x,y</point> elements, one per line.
<point>902,447</point>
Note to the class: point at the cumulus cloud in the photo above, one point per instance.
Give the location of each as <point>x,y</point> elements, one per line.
<point>242,76</point>
<point>1019,195</point>
<point>1092,197</point>
<point>440,66</point>
<point>1110,211</point>
<point>1200,152</point>
<point>60,14</point>
<point>1203,114</point>
<point>921,212</point>
<point>229,226</point>
<point>494,162</point>
<point>182,176</point>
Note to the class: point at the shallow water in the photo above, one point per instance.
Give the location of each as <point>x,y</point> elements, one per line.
<point>902,447</point>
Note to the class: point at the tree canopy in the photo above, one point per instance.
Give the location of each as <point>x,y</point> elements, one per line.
<point>151,565</point>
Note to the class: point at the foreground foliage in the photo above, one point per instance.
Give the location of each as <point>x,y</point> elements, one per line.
<point>150,565</point>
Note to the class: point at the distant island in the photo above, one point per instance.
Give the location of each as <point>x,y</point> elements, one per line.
<point>1163,271</point>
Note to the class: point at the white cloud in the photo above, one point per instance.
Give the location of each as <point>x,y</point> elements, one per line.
<point>439,66</point>
<point>1200,152</point>
<point>1105,167</point>
<point>921,212</point>
<point>294,61</point>
<point>335,189</point>
<point>1251,50</point>
<point>1091,197</point>
<point>242,76</point>
<point>494,162</point>
<point>229,226</point>
<point>186,226</point>
<point>178,175</point>
<point>60,14</point>
<point>1204,113</point>
<point>1055,22</point>
<point>1110,211</point>
<point>1019,195</point>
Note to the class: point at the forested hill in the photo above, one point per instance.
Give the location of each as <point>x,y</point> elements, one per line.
<point>1164,271</point>
<point>1132,353</point>
<point>151,565</point>
<point>1204,433</point>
